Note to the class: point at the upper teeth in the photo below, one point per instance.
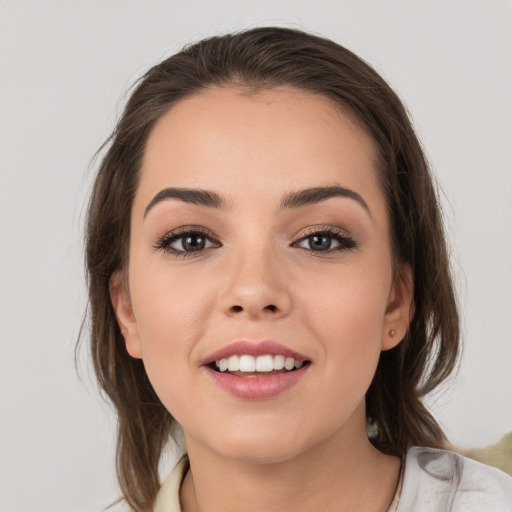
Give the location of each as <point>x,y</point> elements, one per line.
<point>246,363</point>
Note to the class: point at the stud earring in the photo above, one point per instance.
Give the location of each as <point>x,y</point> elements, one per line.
<point>392,332</point>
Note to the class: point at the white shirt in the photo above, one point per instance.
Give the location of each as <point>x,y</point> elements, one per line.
<point>442,481</point>
<point>432,481</point>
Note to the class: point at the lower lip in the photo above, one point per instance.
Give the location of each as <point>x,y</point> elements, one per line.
<point>256,388</point>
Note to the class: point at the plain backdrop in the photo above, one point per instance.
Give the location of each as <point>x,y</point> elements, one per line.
<point>64,68</point>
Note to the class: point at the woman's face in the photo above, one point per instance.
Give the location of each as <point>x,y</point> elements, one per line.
<point>260,237</point>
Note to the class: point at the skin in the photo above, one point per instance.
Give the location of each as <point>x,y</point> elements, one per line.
<point>305,449</point>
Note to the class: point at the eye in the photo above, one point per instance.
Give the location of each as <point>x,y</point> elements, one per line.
<point>326,240</point>
<point>185,241</point>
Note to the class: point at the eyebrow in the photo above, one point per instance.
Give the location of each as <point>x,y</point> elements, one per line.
<point>318,194</point>
<point>199,197</point>
<point>210,199</point>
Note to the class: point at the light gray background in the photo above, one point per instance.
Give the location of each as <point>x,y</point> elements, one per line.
<point>64,66</point>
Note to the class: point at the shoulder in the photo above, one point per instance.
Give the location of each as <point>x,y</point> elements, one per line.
<point>437,480</point>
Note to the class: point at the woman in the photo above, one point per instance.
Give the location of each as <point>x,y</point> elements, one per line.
<point>267,267</point>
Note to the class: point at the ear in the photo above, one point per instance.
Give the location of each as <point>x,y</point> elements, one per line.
<point>120,297</point>
<point>400,308</point>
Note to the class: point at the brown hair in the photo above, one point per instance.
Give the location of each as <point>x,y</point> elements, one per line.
<point>265,58</point>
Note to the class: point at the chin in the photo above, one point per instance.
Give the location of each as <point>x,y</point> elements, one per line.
<point>257,453</point>
<point>262,444</point>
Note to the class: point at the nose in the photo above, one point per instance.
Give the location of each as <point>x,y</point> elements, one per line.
<point>256,287</point>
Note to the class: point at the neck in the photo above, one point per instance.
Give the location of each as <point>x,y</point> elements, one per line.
<point>338,475</point>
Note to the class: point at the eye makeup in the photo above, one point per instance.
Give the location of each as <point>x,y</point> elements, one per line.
<point>325,239</point>
<point>188,241</point>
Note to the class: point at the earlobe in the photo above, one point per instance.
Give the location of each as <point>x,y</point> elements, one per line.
<point>400,308</point>
<point>120,297</point>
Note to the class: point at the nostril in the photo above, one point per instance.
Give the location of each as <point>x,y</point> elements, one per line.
<point>238,309</point>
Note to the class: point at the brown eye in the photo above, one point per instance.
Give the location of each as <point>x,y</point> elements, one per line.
<point>185,242</point>
<point>190,243</point>
<point>319,242</point>
<point>326,240</point>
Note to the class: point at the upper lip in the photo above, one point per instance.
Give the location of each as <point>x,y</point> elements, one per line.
<point>255,349</point>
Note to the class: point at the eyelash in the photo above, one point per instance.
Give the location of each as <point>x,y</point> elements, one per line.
<point>346,242</point>
<point>164,244</point>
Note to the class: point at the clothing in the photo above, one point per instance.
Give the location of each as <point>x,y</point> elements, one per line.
<point>432,481</point>
<point>442,481</point>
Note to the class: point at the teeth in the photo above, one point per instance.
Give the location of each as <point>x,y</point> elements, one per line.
<point>289,363</point>
<point>234,364</point>
<point>249,364</point>
<point>278,362</point>
<point>264,364</point>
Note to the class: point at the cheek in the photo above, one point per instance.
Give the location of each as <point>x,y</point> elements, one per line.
<point>345,311</point>
<point>169,305</point>
<point>346,318</point>
<point>349,299</point>
<point>171,311</point>
<point>173,306</point>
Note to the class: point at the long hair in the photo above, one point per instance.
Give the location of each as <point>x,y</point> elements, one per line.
<point>263,58</point>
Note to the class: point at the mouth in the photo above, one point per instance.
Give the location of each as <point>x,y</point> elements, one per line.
<point>256,371</point>
<point>266,365</point>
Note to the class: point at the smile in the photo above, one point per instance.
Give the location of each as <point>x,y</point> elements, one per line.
<point>256,371</point>
<point>262,364</point>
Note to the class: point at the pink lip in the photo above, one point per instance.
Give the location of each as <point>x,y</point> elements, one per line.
<point>255,349</point>
<point>256,388</point>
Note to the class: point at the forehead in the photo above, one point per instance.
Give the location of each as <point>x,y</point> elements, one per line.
<point>264,140</point>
